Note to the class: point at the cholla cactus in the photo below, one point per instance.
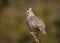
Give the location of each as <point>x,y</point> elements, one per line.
<point>34,23</point>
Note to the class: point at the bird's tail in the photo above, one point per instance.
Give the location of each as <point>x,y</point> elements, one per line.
<point>43,31</point>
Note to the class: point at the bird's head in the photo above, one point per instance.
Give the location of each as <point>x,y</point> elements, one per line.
<point>29,12</point>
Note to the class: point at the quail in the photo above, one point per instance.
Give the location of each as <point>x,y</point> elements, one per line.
<point>34,23</point>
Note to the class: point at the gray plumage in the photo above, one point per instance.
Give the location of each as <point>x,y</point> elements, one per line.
<point>34,23</point>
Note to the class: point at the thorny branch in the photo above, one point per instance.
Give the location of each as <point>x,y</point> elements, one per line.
<point>34,38</point>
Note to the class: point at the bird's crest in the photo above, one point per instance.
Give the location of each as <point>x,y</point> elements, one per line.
<point>30,8</point>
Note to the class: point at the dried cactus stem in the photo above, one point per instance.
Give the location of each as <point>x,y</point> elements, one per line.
<point>34,38</point>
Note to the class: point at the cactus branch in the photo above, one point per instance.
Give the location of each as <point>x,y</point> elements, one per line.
<point>34,38</point>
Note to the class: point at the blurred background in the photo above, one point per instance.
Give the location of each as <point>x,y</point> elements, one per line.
<point>13,27</point>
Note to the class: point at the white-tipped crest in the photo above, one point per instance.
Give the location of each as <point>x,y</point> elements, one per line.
<point>30,9</point>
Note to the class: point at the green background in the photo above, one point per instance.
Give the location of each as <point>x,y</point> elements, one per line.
<point>13,28</point>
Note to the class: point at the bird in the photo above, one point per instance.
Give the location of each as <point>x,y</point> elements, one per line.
<point>34,23</point>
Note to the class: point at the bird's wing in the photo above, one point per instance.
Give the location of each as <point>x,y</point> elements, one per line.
<point>40,24</point>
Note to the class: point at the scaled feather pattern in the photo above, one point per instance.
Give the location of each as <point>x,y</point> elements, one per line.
<point>34,23</point>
